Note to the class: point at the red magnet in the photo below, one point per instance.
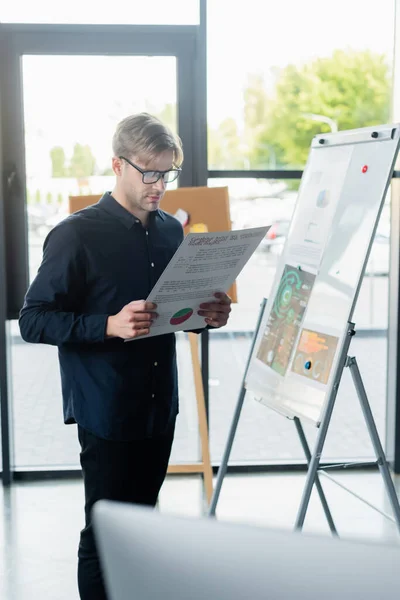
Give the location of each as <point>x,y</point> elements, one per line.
<point>364,169</point>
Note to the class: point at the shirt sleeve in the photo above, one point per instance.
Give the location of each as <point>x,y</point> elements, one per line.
<point>50,314</point>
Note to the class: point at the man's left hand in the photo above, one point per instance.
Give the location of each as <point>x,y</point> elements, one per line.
<point>216,313</point>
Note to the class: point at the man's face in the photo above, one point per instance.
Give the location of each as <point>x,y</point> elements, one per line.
<point>139,196</point>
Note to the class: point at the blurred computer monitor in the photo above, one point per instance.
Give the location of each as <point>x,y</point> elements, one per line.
<point>150,556</point>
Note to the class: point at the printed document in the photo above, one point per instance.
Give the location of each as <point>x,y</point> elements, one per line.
<point>205,263</point>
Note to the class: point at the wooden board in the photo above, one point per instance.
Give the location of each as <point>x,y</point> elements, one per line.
<point>204,205</point>
<point>79,202</point>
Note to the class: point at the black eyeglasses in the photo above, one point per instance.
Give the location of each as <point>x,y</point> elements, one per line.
<point>154,176</point>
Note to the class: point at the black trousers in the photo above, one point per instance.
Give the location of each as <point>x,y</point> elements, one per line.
<point>123,471</point>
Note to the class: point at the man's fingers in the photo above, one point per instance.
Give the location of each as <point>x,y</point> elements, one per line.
<point>223,298</point>
<point>216,307</point>
<point>214,310</point>
<point>138,317</point>
<point>142,324</point>
<point>217,322</point>
<point>142,305</point>
<point>215,316</point>
<point>138,332</point>
<point>142,330</point>
<point>209,307</point>
<point>221,306</point>
<point>137,329</point>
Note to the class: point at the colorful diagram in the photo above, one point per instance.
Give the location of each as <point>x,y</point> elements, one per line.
<point>285,318</point>
<point>181,316</point>
<point>290,282</point>
<point>314,355</point>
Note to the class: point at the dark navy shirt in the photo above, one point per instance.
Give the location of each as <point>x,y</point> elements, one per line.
<point>95,262</point>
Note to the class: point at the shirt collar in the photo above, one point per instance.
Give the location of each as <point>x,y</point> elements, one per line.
<point>114,208</point>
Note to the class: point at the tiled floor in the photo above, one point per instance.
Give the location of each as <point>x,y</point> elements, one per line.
<point>41,521</point>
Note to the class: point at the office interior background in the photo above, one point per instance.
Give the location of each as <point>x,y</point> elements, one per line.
<point>246,86</point>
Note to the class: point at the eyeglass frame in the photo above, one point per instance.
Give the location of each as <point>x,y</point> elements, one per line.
<point>176,170</point>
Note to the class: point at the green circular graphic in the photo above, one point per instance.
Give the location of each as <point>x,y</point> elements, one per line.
<point>286,296</point>
<point>289,283</point>
<point>181,316</point>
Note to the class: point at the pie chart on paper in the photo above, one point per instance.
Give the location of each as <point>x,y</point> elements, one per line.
<point>181,316</point>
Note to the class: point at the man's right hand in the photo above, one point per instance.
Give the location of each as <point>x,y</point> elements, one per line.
<point>134,320</point>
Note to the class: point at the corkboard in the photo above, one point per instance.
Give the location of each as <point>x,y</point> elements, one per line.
<point>79,202</point>
<point>207,205</point>
<point>204,205</point>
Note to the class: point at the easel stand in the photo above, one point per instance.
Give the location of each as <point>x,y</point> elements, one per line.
<point>351,363</point>
<point>313,459</point>
<point>204,467</point>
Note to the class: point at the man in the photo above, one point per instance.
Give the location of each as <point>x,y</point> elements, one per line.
<point>87,298</point>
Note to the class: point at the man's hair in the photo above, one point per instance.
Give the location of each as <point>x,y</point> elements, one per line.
<point>146,137</point>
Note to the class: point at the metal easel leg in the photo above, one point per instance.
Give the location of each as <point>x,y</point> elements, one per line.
<point>306,449</point>
<point>323,430</point>
<point>373,432</point>
<point>232,431</point>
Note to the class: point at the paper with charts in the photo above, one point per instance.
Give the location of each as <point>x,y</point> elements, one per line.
<point>204,263</point>
<point>285,318</point>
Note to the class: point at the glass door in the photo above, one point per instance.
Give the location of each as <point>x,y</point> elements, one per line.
<point>65,95</point>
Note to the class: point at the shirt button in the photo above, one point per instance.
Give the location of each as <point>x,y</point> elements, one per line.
<point>147,233</point>
<point>156,364</point>
<point>152,395</point>
<point>152,264</point>
<point>136,221</point>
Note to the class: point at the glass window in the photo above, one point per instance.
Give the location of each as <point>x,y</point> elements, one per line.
<point>264,435</point>
<point>40,438</point>
<point>372,307</point>
<point>285,71</point>
<point>154,12</point>
<point>68,127</point>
